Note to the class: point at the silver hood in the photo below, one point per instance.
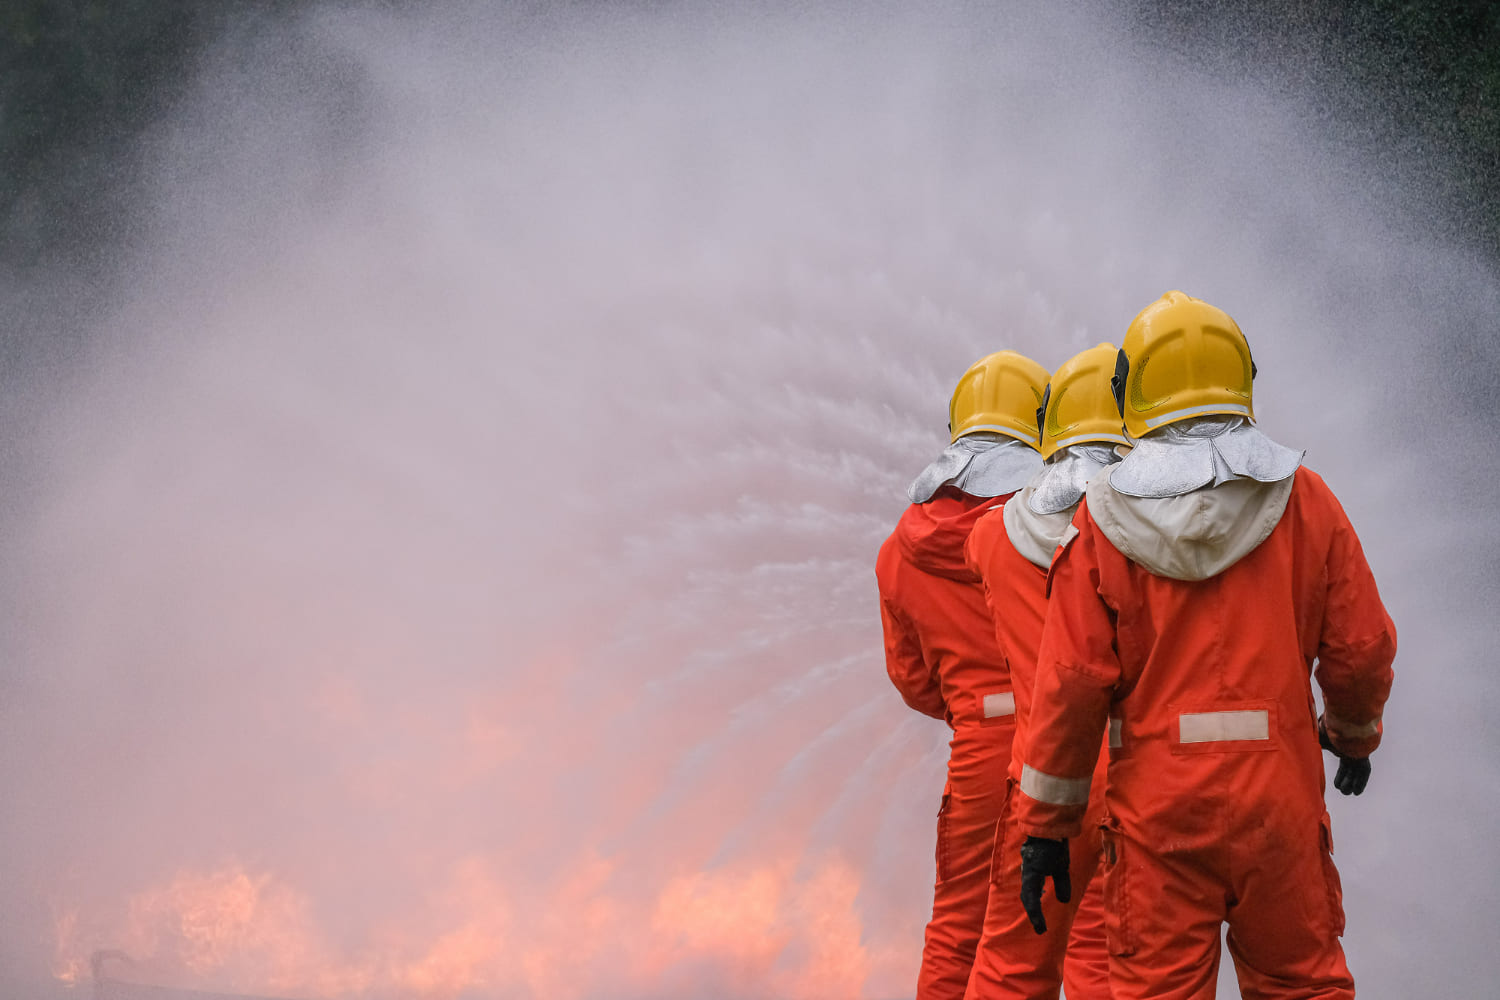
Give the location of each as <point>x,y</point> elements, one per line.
<point>1209,451</point>
<point>1060,484</point>
<point>982,465</point>
<point>1036,519</point>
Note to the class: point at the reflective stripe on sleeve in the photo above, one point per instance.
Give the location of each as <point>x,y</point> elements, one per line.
<point>1349,730</point>
<point>1052,790</point>
<point>1213,727</point>
<point>1116,733</point>
<point>996,705</point>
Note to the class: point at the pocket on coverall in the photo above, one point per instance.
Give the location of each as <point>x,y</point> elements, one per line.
<point>942,838</point>
<point>1001,857</point>
<point>1331,877</point>
<point>1118,930</point>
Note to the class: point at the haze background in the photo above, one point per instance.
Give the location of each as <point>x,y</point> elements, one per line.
<point>446,449</point>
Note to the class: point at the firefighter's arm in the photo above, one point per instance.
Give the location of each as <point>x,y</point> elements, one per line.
<point>1078,668</point>
<point>907,667</point>
<point>979,552</point>
<point>979,547</point>
<point>1356,648</point>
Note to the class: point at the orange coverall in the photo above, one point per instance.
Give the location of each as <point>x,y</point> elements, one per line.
<point>941,654</point>
<point>1215,789</point>
<point>1013,960</point>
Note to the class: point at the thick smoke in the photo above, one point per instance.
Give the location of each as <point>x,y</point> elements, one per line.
<point>449,573</point>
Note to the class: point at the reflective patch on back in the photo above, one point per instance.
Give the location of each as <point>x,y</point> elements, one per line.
<point>1220,727</point>
<point>999,704</point>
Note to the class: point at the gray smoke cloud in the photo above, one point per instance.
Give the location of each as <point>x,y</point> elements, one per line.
<point>448,571</point>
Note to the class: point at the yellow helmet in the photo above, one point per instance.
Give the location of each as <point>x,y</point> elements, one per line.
<point>999,394</point>
<point>1181,358</point>
<point>1079,404</point>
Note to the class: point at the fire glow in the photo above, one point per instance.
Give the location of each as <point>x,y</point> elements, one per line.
<point>231,929</point>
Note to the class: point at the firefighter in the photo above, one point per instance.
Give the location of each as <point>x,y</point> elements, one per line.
<point>940,645</point>
<point>1011,548</point>
<point>1200,581</point>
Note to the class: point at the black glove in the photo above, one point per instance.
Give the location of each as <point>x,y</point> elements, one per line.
<point>1039,858</point>
<point>1353,773</point>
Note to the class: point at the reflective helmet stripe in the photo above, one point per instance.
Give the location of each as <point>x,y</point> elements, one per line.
<point>1192,411</point>
<point>1084,438</point>
<point>1009,431</point>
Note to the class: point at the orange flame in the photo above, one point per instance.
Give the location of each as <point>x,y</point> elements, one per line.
<point>760,929</point>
